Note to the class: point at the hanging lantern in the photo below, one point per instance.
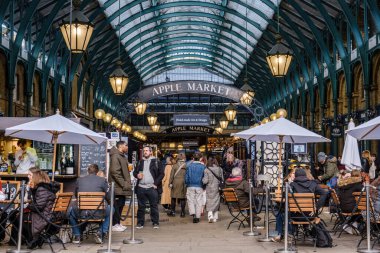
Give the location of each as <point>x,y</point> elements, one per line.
<point>128,129</point>
<point>156,127</point>
<point>282,113</point>
<point>223,122</point>
<point>99,113</point>
<point>279,58</point>
<point>107,117</point>
<point>219,130</point>
<point>152,118</point>
<point>76,30</point>
<point>248,94</point>
<point>140,107</point>
<point>118,125</point>
<point>124,127</point>
<point>114,121</point>
<point>265,120</point>
<point>273,116</point>
<point>136,134</point>
<point>230,112</point>
<point>118,80</point>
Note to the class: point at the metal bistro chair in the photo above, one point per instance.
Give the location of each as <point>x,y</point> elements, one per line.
<point>361,205</point>
<point>91,208</point>
<point>59,218</point>
<point>238,213</point>
<point>342,218</point>
<point>303,215</point>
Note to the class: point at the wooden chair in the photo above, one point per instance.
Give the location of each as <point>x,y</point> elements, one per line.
<point>361,205</point>
<point>91,207</point>
<point>303,214</point>
<point>59,214</point>
<point>238,213</point>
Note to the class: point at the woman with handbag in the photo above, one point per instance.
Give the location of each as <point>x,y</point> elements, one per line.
<point>213,175</point>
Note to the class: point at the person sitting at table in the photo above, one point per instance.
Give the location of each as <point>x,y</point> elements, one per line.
<point>25,157</point>
<point>90,183</point>
<point>348,183</point>
<point>38,212</point>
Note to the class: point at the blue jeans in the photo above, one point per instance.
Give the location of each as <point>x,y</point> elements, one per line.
<point>280,220</point>
<point>73,219</point>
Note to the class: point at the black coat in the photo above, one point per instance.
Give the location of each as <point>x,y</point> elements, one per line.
<point>365,165</point>
<point>303,185</point>
<point>345,189</point>
<point>156,169</point>
<point>43,197</point>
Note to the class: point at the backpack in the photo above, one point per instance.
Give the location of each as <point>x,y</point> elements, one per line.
<point>323,237</point>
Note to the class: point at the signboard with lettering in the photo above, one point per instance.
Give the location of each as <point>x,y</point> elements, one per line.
<point>191,120</point>
<point>179,129</point>
<point>336,131</point>
<point>197,87</point>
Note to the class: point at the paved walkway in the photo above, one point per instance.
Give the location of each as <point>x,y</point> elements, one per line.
<point>181,235</point>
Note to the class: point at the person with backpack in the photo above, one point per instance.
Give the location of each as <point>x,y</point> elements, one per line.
<point>213,179</point>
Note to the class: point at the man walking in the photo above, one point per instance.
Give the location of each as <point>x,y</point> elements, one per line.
<point>149,173</point>
<point>119,174</point>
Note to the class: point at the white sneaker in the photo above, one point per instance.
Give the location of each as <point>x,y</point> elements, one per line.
<point>117,228</point>
<point>122,226</point>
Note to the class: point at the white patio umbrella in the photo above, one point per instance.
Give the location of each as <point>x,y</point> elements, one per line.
<point>281,131</point>
<point>350,156</point>
<point>367,131</point>
<point>55,129</point>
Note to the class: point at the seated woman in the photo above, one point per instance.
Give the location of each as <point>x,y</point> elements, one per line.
<point>348,183</point>
<point>39,210</point>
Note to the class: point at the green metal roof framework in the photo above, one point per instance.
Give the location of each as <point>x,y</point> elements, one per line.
<point>206,34</point>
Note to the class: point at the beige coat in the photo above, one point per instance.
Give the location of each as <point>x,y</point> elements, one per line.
<point>166,196</point>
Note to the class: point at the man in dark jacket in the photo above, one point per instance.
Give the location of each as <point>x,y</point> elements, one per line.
<point>119,174</point>
<point>302,184</point>
<point>149,173</point>
<point>90,183</point>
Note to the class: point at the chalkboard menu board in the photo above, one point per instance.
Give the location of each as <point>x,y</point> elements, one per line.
<point>92,154</point>
<point>42,147</point>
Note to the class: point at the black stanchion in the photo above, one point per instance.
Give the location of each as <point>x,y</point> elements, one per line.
<point>266,238</point>
<point>286,248</point>
<point>109,249</point>
<point>368,223</point>
<point>133,240</point>
<point>21,221</point>
<point>251,232</point>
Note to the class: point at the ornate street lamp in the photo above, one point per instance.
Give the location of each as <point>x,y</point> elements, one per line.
<point>99,113</point>
<point>223,122</point>
<point>156,127</point>
<point>152,118</point>
<point>140,107</point>
<point>230,112</point>
<point>118,80</point>
<point>76,30</point>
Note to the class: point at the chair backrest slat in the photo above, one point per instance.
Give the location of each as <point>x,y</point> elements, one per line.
<point>302,202</point>
<point>62,202</point>
<point>230,195</point>
<point>361,201</point>
<point>91,200</point>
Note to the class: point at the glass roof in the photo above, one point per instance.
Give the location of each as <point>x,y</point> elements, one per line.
<point>216,36</point>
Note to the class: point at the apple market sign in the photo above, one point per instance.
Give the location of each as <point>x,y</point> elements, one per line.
<point>195,87</point>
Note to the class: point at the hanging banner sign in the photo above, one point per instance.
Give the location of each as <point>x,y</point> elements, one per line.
<point>179,129</point>
<point>191,120</point>
<point>195,87</point>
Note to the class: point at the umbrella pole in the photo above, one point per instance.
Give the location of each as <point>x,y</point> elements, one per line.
<point>279,165</point>
<point>55,137</point>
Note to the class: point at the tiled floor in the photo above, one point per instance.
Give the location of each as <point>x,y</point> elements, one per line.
<point>181,235</point>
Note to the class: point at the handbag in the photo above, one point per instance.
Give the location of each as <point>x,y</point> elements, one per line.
<point>220,179</point>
